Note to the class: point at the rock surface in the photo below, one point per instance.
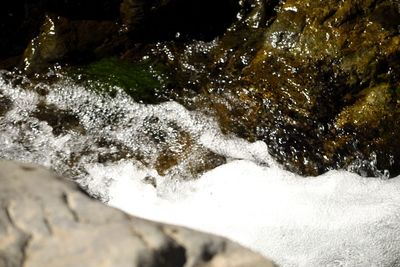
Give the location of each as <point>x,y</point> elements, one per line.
<point>20,22</point>
<point>326,81</point>
<point>64,40</point>
<point>47,221</point>
<point>316,80</point>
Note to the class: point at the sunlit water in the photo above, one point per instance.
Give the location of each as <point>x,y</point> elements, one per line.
<point>336,219</point>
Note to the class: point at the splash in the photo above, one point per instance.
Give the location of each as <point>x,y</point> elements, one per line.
<point>111,146</point>
<point>336,219</point>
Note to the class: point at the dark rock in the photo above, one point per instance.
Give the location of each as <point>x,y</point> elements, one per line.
<point>81,27</point>
<point>19,23</point>
<point>60,120</point>
<point>20,20</point>
<point>157,20</point>
<point>63,40</point>
<point>47,221</point>
<point>84,10</point>
<point>5,105</point>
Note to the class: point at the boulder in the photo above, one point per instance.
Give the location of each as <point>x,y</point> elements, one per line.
<point>48,221</point>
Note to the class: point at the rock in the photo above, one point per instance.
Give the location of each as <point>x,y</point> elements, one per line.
<point>60,120</point>
<point>318,62</point>
<point>47,221</point>
<point>76,31</point>
<point>134,11</point>
<point>20,22</point>
<point>64,40</point>
<point>5,105</point>
<point>301,76</point>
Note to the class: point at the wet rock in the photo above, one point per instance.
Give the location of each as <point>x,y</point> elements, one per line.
<point>298,75</point>
<point>374,117</point>
<point>47,221</point>
<point>176,152</point>
<point>64,40</point>
<point>5,105</point>
<point>75,31</point>
<point>319,61</point>
<point>186,159</point>
<point>60,120</point>
<point>20,21</point>
<point>134,11</point>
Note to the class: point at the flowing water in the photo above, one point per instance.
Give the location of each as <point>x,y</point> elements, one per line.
<point>112,146</point>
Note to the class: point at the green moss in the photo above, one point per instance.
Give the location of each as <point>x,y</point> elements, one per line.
<point>144,81</point>
<point>397,92</point>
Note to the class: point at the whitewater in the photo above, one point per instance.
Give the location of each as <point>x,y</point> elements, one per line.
<point>335,219</point>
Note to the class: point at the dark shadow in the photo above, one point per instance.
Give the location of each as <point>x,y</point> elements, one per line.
<point>187,19</point>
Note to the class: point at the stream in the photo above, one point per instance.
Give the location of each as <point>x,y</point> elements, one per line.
<point>113,146</point>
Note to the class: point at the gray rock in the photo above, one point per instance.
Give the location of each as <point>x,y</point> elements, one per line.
<point>48,221</point>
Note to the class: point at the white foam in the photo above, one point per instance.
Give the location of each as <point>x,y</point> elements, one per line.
<point>336,219</point>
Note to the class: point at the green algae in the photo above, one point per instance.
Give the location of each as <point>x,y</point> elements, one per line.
<point>144,81</point>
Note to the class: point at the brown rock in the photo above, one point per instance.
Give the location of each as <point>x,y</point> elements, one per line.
<point>296,74</point>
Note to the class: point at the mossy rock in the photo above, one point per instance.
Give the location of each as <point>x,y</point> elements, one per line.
<point>144,81</point>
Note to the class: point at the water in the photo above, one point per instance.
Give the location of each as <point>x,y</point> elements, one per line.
<point>113,147</point>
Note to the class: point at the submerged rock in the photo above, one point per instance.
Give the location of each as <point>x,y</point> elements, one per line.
<point>47,221</point>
